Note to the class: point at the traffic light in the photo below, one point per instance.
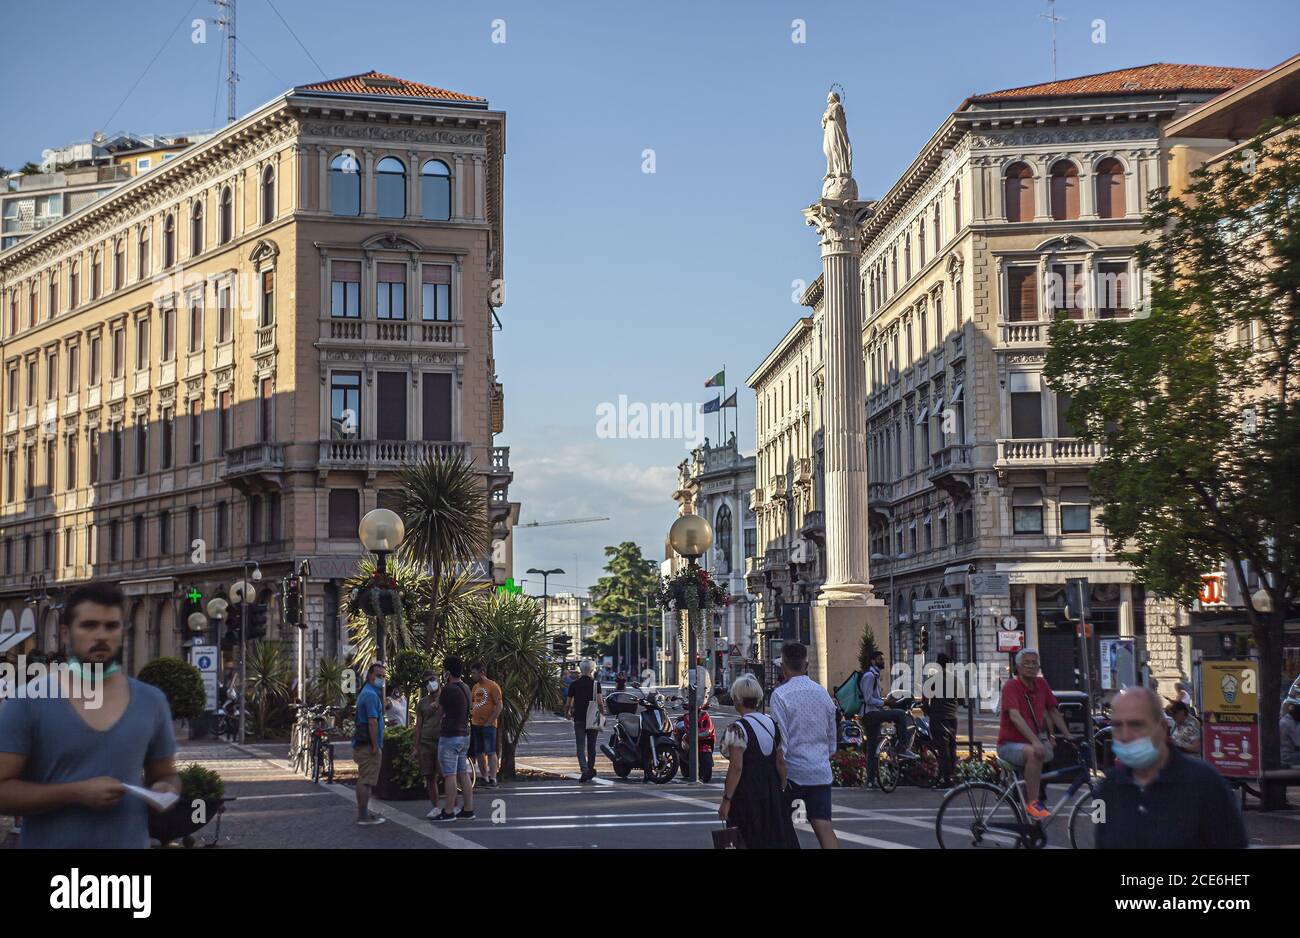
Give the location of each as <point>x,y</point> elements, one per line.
<point>1076,599</point>
<point>925,639</point>
<point>256,620</point>
<point>293,606</point>
<point>234,625</point>
<point>562,645</point>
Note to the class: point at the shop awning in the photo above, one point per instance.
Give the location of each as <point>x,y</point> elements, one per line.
<point>14,639</point>
<point>956,575</point>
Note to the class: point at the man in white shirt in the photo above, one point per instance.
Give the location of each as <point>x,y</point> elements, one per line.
<point>805,712</point>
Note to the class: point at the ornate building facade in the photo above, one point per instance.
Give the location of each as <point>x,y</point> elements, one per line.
<point>227,359</point>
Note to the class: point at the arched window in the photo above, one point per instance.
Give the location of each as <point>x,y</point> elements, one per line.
<point>1019,189</point>
<point>1110,189</point>
<point>169,241</point>
<point>937,232</point>
<point>119,263</point>
<point>74,285</point>
<point>268,194</point>
<point>196,230</point>
<point>96,271</point>
<point>956,206</point>
<point>435,191</point>
<point>722,528</point>
<point>143,256</point>
<point>1065,190</point>
<point>226,220</point>
<point>345,185</point>
<point>390,188</point>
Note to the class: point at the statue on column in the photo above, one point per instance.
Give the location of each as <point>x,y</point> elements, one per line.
<point>838,183</point>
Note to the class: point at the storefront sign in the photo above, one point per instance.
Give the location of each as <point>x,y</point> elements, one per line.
<point>988,584</point>
<point>1230,709</point>
<point>1010,640</point>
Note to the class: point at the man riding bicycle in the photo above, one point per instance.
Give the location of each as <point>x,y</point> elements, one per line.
<point>874,713</point>
<point>1028,709</point>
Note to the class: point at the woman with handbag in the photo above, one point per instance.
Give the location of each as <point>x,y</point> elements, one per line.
<point>752,800</point>
<point>586,707</point>
<point>1029,712</point>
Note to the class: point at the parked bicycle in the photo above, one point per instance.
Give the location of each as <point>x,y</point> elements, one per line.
<point>983,815</point>
<point>310,750</point>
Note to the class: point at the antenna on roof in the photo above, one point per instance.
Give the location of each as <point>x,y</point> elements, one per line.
<point>1049,15</point>
<point>226,21</point>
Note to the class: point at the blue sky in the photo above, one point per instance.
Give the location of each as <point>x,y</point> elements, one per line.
<point>618,281</point>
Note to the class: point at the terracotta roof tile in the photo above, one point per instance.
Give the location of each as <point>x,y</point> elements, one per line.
<point>377,83</point>
<point>1159,77</point>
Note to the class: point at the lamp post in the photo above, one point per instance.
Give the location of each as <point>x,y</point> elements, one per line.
<point>893,602</point>
<point>545,575</point>
<point>381,532</point>
<point>245,592</point>
<point>691,536</point>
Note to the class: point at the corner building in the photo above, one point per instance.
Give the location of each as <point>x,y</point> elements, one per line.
<point>228,358</point>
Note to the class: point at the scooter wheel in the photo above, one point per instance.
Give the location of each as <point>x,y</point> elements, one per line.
<point>622,769</point>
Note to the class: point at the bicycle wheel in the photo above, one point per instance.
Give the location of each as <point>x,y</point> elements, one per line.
<point>329,764</point>
<point>887,768</point>
<point>315,763</point>
<point>1085,821</point>
<point>977,816</point>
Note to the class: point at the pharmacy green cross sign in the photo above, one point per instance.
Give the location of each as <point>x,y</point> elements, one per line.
<point>194,595</point>
<point>510,586</point>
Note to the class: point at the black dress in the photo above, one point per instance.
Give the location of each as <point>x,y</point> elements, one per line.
<point>758,807</point>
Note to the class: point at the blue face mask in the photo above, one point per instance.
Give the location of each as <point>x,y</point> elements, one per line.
<point>1138,754</point>
<point>87,671</point>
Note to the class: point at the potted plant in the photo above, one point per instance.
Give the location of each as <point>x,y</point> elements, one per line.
<point>202,798</point>
<point>181,683</point>
<point>399,772</point>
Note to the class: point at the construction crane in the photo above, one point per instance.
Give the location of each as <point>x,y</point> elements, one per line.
<point>547,524</point>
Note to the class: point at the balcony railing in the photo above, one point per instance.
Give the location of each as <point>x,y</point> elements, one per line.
<point>1024,333</point>
<point>956,456</point>
<point>392,331</point>
<point>882,492</point>
<point>256,457</point>
<point>814,522</point>
<point>1060,451</point>
<point>501,459</point>
<point>385,454</point>
<point>265,337</point>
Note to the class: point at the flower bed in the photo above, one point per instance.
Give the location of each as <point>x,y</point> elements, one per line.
<point>848,768</point>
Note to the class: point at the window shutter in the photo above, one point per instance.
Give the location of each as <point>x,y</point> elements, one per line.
<point>347,271</point>
<point>392,273</point>
<point>391,415</point>
<point>436,389</point>
<point>1022,294</point>
<point>435,273</point>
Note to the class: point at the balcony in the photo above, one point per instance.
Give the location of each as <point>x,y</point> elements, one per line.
<point>802,470</point>
<point>265,338</point>
<point>392,331</point>
<point>958,344</point>
<point>777,488</point>
<point>814,525</point>
<point>245,464</point>
<point>756,499</point>
<point>754,574</point>
<point>1018,334</point>
<point>1047,453</point>
<point>373,455</point>
<point>951,469</point>
<point>499,475</point>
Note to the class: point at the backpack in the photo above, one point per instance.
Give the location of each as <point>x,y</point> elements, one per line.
<point>849,694</point>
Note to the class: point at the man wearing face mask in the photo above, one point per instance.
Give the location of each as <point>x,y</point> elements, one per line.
<point>368,743</point>
<point>428,726</point>
<point>1159,798</point>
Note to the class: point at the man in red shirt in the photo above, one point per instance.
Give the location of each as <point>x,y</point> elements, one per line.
<point>1028,710</point>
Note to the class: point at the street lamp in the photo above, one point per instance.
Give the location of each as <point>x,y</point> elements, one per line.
<point>244,591</point>
<point>545,575</point>
<point>381,532</point>
<point>691,536</point>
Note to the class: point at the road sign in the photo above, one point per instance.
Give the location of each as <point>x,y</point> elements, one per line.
<point>1010,640</point>
<point>204,657</point>
<point>942,604</point>
<point>988,584</point>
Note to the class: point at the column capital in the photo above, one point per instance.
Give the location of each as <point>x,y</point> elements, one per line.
<point>837,222</point>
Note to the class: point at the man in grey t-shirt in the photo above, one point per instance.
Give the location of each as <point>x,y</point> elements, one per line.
<point>65,758</point>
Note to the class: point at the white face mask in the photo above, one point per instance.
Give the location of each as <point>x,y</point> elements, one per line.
<point>433,686</point>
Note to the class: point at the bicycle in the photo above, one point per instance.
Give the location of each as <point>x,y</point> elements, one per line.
<point>310,751</point>
<point>999,815</point>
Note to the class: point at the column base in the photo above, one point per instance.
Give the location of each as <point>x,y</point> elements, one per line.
<point>837,637</point>
<point>852,594</point>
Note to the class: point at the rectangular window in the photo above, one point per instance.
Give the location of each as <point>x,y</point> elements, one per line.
<point>51,453</point>
<point>196,430</point>
<point>11,389</point>
<point>116,455</point>
<point>1027,511</point>
<point>435,305</point>
<point>1026,406</point>
<point>168,437</point>
<point>196,323</point>
<point>74,367</point>
<point>345,405</point>
<point>1022,294</point>
<point>390,412</point>
<point>255,519</point>
<point>114,540</point>
<point>168,317</point>
<point>223,531</point>
<point>119,352</point>
<point>345,513</point>
<point>223,314</point>
<point>273,517</point>
<point>1076,513</point>
<point>165,533</point>
<point>1063,427</point>
<point>436,390</point>
<point>223,422</point>
<point>142,345</point>
<point>266,412</point>
<point>69,548</point>
<point>390,302</point>
<point>1113,294</point>
<point>268,297</point>
<point>141,446</point>
<point>93,364</point>
<point>52,376</point>
<point>193,529</point>
<point>1065,290</point>
<point>345,289</point>
<point>32,367</point>
<point>139,546</point>
<point>70,446</point>
<point>92,457</point>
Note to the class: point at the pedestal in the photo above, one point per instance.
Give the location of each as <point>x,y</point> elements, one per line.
<point>837,629</point>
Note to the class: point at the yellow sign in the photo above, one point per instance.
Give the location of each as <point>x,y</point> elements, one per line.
<point>1230,687</point>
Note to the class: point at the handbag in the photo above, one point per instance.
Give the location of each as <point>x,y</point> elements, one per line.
<point>728,838</point>
<point>595,719</point>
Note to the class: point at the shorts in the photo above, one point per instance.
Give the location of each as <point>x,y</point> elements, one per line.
<point>816,800</point>
<point>368,759</point>
<point>482,741</point>
<point>1015,753</point>
<point>452,754</point>
<point>428,755</point>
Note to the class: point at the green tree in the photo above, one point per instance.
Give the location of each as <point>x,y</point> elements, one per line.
<point>444,508</point>
<point>181,682</point>
<point>507,633</point>
<point>620,596</point>
<point>269,676</point>
<point>1197,399</point>
<point>866,649</point>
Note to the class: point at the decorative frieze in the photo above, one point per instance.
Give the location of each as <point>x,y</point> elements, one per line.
<point>357,131</point>
<point>1034,138</point>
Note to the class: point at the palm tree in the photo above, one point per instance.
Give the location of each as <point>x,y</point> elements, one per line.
<point>327,687</point>
<point>269,675</point>
<point>444,509</point>
<point>506,632</point>
<point>416,626</point>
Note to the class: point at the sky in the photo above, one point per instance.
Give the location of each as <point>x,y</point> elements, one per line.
<point>619,280</point>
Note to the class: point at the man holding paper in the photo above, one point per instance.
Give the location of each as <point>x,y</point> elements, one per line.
<point>74,754</point>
